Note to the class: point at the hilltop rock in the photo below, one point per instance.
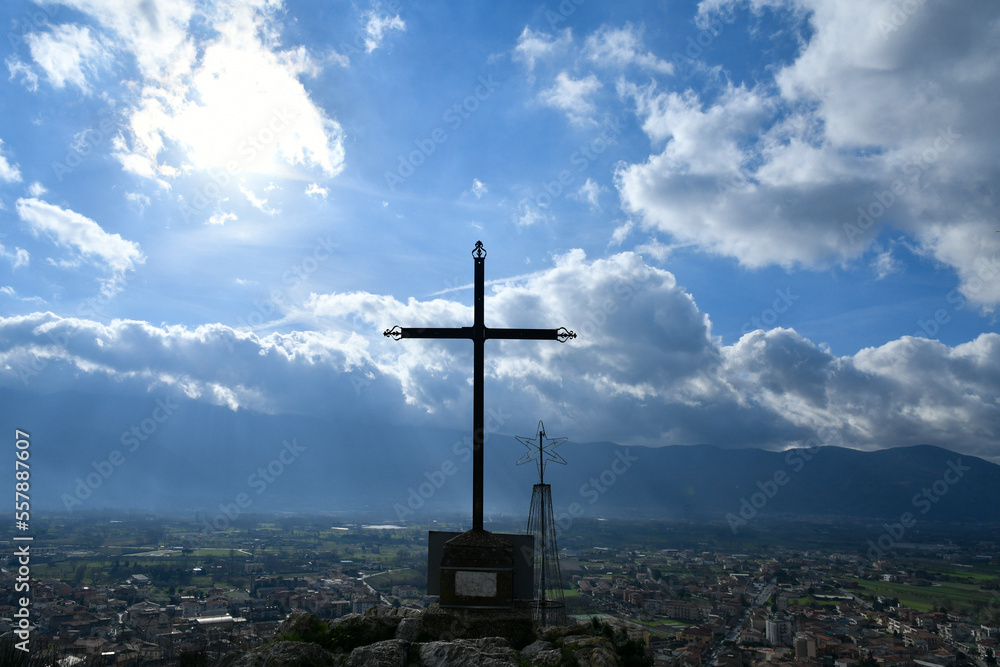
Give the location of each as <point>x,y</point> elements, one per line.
<point>289,654</point>
<point>390,653</point>
<point>386,637</point>
<point>485,652</point>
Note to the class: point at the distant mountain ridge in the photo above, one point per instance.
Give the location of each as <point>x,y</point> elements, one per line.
<point>212,462</point>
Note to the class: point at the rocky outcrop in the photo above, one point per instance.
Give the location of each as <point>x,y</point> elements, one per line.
<point>289,654</point>
<point>389,653</point>
<point>486,652</point>
<point>386,637</point>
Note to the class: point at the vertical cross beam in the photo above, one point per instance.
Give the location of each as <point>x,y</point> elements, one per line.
<point>479,333</point>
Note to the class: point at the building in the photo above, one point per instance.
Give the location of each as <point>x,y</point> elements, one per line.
<point>805,646</point>
<point>778,630</point>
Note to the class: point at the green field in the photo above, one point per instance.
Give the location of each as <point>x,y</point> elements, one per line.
<point>956,596</point>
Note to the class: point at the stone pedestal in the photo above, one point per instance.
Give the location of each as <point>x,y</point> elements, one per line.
<point>477,572</point>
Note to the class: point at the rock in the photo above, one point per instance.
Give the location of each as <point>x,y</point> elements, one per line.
<point>597,656</point>
<point>375,625</point>
<point>515,625</point>
<point>408,629</point>
<point>541,653</point>
<point>529,651</point>
<point>390,653</point>
<point>303,627</point>
<point>586,641</point>
<point>289,654</point>
<point>484,652</point>
<point>547,658</point>
<point>592,651</point>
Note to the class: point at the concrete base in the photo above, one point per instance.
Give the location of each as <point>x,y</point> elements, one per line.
<point>477,572</point>
<point>515,624</point>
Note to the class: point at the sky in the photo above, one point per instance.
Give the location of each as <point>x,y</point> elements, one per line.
<point>771,223</point>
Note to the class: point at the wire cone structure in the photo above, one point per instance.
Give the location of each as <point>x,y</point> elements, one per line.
<point>549,605</point>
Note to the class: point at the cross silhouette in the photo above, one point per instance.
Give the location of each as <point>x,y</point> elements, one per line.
<point>479,333</point>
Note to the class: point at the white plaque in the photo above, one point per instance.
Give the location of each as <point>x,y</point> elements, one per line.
<point>476,584</point>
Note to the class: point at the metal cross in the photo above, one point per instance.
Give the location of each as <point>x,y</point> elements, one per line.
<point>542,451</point>
<point>479,333</point>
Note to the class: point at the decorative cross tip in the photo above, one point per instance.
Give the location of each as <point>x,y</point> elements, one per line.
<point>394,333</point>
<point>479,251</point>
<point>562,334</point>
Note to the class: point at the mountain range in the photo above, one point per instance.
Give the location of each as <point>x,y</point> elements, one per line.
<point>183,456</point>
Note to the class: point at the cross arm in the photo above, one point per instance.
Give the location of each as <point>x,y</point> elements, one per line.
<point>561,334</point>
<point>428,332</point>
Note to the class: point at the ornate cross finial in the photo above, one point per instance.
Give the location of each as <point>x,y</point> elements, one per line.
<point>479,251</point>
<point>562,335</point>
<point>540,451</point>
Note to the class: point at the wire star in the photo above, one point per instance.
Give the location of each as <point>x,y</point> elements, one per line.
<point>541,451</point>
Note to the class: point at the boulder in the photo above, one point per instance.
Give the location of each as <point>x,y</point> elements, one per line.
<point>289,654</point>
<point>484,652</point>
<point>390,653</point>
<point>541,653</point>
<point>377,624</point>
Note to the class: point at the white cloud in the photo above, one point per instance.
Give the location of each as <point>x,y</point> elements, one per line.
<point>645,368</point>
<point>67,54</point>
<point>378,25</point>
<point>12,293</point>
<point>229,101</point>
<point>314,190</point>
<point>533,46</point>
<point>137,199</point>
<point>622,47</point>
<point>528,214</point>
<point>479,188</point>
<point>36,189</point>
<point>18,68</point>
<point>8,172</point>
<point>590,192</point>
<point>221,218</point>
<point>258,203</point>
<point>154,33</point>
<point>571,96</point>
<point>885,264</point>
<point>77,232</point>
<point>797,170</point>
<point>20,257</point>
<point>622,232</point>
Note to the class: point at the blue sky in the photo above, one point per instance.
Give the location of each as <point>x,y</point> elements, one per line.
<point>772,222</point>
